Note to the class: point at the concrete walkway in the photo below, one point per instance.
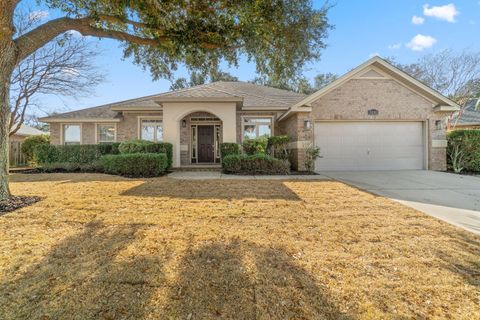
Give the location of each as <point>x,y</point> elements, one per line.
<point>213,175</point>
<point>449,197</point>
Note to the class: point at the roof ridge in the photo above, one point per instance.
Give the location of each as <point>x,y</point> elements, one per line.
<point>262,97</point>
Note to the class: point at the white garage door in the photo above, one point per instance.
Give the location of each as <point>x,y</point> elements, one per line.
<point>369,145</point>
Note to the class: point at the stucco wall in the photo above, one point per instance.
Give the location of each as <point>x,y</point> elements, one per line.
<point>353,99</point>
<point>174,112</point>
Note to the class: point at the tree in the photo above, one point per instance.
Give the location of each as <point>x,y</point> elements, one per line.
<point>197,79</point>
<point>62,67</point>
<point>299,84</point>
<point>454,74</point>
<point>278,36</point>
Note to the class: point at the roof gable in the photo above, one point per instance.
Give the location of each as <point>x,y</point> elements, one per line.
<point>378,68</point>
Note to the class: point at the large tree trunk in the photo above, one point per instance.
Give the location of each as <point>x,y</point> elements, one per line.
<point>8,57</point>
<point>7,63</point>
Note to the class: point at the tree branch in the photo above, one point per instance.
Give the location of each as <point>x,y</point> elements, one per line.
<point>38,37</point>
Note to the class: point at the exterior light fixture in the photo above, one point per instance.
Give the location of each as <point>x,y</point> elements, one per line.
<point>307,124</point>
<point>184,123</point>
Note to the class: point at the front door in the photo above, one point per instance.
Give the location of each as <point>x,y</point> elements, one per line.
<point>206,144</point>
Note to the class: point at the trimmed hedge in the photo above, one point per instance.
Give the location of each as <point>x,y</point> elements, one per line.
<point>255,164</point>
<point>254,146</point>
<point>228,148</point>
<point>463,151</point>
<point>135,164</point>
<point>71,167</point>
<point>78,154</point>
<point>30,143</point>
<point>144,146</point>
<point>277,147</point>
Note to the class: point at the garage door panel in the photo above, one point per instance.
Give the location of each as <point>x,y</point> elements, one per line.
<point>370,145</point>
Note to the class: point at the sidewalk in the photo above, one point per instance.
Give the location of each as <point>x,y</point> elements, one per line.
<point>213,175</point>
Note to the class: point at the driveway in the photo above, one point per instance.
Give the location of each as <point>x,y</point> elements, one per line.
<point>449,197</point>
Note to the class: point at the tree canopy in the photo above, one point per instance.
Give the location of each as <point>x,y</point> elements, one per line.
<point>278,36</point>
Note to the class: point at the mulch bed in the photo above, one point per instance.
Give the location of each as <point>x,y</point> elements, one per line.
<point>15,203</point>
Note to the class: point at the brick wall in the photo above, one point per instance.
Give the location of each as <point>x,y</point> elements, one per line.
<point>353,99</point>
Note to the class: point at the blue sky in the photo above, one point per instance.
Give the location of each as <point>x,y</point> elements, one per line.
<point>404,29</point>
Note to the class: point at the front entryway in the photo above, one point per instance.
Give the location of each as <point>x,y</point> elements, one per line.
<point>206,144</point>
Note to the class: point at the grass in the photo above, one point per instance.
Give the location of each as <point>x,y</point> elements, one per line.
<point>105,247</point>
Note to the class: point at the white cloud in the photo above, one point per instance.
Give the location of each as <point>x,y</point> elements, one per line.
<point>395,46</point>
<point>421,42</point>
<point>418,20</point>
<point>74,33</point>
<point>374,54</point>
<point>37,15</point>
<point>447,12</point>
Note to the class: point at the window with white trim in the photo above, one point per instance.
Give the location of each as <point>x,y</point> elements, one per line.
<point>151,130</point>
<point>106,133</point>
<point>72,134</point>
<point>256,127</point>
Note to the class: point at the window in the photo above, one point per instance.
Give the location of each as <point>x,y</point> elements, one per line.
<point>257,127</point>
<point>105,133</point>
<point>151,130</point>
<point>72,134</point>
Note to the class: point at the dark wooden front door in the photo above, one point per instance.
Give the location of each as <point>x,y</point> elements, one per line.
<point>206,144</point>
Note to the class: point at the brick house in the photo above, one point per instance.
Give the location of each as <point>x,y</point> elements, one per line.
<point>375,117</point>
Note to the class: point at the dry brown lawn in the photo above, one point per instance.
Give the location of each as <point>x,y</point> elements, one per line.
<point>104,247</point>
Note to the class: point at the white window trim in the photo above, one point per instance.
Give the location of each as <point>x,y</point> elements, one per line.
<point>62,130</point>
<point>256,117</point>
<point>103,124</point>
<point>139,124</point>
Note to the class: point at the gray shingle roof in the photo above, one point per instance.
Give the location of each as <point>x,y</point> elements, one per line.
<point>470,114</point>
<point>28,131</point>
<point>251,95</point>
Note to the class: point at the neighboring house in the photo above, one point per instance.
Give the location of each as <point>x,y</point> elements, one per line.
<point>375,117</point>
<point>468,117</point>
<point>16,157</point>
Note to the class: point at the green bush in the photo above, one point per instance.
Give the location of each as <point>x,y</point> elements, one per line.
<point>135,164</point>
<point>77,154</point>
<point>228,148</point>
<point>45,153</point>
<point>71,167</point>
<point>254,146</point>
<point>463,151</point>
<point>277,147</point>
<point>144,146</point>
<point>29,144</point>
<point>254,164</point>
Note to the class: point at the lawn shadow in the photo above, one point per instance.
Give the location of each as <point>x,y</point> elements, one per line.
<point>67,177</point>
<point>246,281</point>
<point>213,189</point>
<point>464,260</point>
<point>82,278</point>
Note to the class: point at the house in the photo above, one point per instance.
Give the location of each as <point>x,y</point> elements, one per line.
<point>15,155</point>
<point>375,117</point>
<point>468,117</point>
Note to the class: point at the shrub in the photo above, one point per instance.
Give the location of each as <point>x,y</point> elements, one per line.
<point>312,153</point>
<point>254,146</point>
<point>72,167</point>
<point>254,164</point>
<point>463,151</point>
<point>29,144</point>
<point>228,148</point>
<point>144,146</point>
<point>277,146</point>
<point>79,154</point>
<point>135,164</point>
<point>45,153</point>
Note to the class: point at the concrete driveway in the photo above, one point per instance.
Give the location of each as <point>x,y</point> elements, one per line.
<point>449,197</point>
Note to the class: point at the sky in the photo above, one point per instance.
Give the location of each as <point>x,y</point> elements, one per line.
<point>404,29</point>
